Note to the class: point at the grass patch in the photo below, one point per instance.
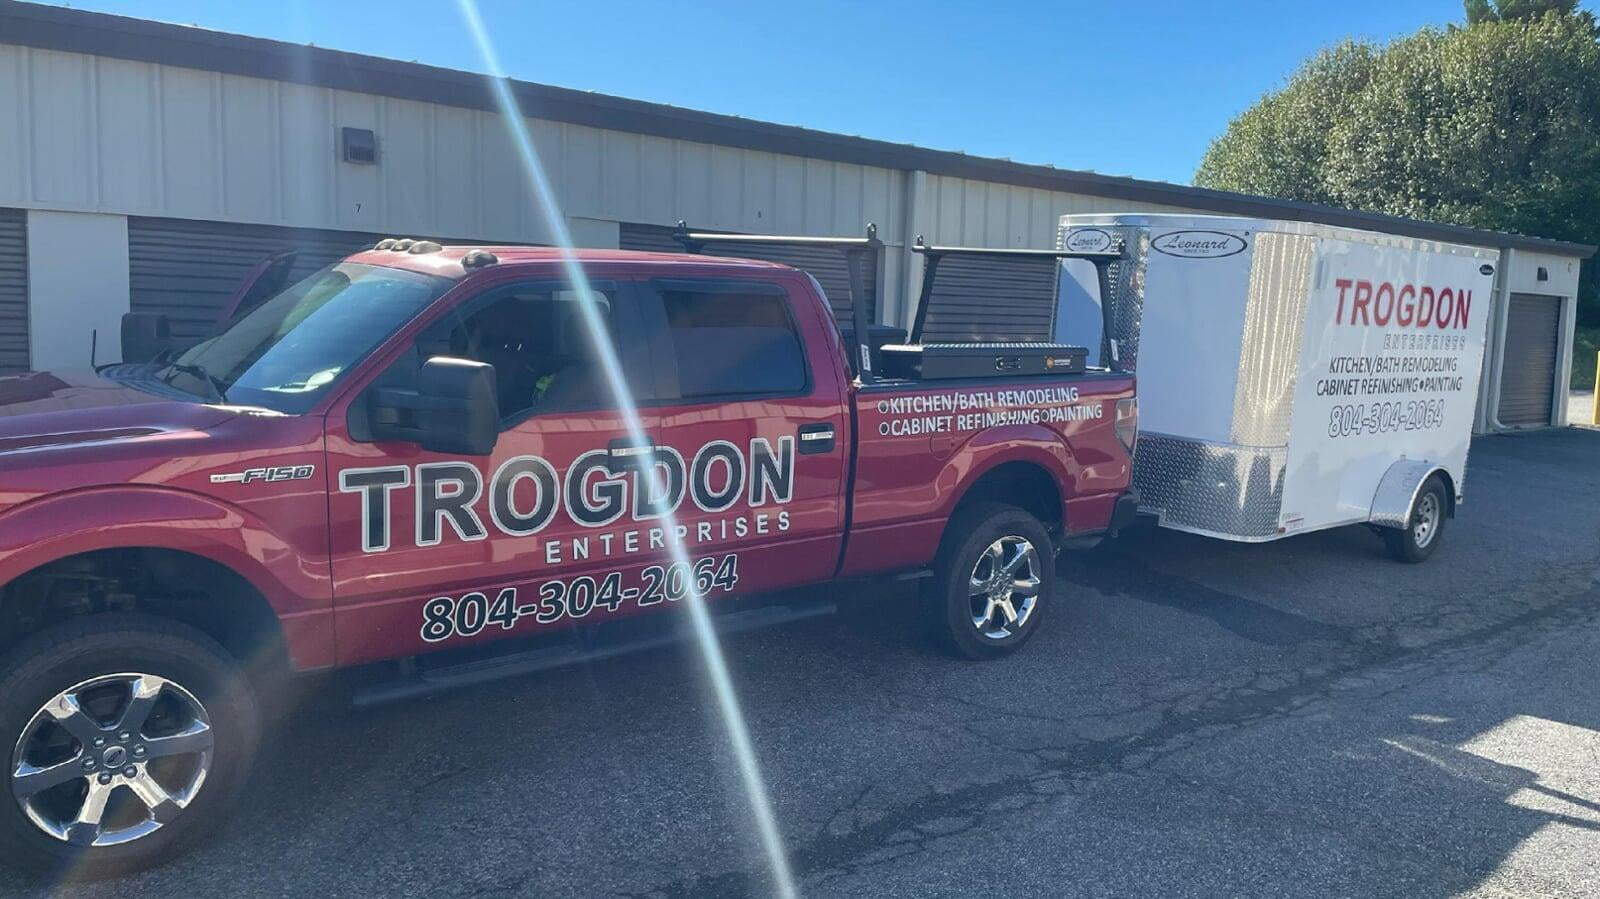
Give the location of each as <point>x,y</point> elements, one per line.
<point>1584,346</point>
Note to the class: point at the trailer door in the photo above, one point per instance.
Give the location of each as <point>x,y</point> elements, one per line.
<point>1528,377</point>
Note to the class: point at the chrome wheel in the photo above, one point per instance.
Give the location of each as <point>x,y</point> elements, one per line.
<point>1426,522</point>
<point>1004,587</point>
<point>112,759</point>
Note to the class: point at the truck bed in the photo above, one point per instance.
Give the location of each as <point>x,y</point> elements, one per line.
<point>918,441</point>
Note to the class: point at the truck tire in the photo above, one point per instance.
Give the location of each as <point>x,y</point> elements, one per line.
<point>992,579</point>
<point>1424,528</point>
<point>127,737</point>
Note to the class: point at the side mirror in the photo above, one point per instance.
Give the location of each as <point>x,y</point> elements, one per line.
<point>145,335</point>
<point>453,410</point>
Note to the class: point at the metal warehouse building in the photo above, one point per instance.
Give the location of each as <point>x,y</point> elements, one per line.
<point>149,166</point>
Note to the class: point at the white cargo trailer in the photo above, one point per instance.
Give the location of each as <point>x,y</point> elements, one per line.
<point>1292,376</point>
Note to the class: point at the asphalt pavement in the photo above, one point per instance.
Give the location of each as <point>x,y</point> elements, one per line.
<point>1194,718</point>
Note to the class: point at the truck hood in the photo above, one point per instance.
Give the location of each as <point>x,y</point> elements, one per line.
<point>45,410</point>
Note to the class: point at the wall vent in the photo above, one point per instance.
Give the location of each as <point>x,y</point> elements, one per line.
<point>359,146</point>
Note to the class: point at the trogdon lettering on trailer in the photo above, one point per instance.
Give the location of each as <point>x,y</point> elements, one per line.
<point>525,494</point>
<point>1403,305</point>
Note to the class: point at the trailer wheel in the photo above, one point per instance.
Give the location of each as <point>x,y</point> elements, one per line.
<point>992,579</point>
<point>1425,528</point>
<point>126,738</point>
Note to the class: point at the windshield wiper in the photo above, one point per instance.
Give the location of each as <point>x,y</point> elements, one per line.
<point>218,387</point>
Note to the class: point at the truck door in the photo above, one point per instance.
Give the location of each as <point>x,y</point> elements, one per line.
<point>758,421</point>
<point>431,551</point>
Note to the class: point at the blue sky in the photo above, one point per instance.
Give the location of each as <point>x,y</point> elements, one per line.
<point>1116,87</point>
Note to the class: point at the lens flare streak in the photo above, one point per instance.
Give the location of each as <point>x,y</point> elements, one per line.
<point>700,617</point>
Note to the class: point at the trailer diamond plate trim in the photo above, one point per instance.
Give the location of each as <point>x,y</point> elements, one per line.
<point>1221,490</point>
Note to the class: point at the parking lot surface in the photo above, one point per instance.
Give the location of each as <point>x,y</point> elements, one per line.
<point>1195,718</point>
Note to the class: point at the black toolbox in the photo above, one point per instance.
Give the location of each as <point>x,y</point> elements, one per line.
<point>877,336</point>
<point>944,361</point>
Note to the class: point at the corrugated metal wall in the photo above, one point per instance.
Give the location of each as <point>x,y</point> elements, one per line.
<point>826,265</point>
<point>963,212</point>
<point>107,135</point>
<point>13,291</point>
<point>100,134</point>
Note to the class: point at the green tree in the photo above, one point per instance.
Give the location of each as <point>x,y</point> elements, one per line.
<point>1482,11</point>
<point>1496,125</point>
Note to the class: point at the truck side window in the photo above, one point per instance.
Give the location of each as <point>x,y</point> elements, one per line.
<point>538,341</point>
<point>731,342</point>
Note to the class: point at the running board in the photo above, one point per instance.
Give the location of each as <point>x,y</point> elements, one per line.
<point>479,671</point>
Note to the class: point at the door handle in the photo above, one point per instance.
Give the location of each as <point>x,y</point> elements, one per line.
<point>624,452</point>
<point>816,438</point>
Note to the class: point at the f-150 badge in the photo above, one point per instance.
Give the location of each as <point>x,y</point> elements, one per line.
<point>252,475</point>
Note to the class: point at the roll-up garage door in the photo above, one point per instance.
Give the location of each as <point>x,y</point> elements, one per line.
<point>13,291</point>
<point>825,264</point>
<point>188,270</point>
<point>991,299</point>
<point>1528,376</point>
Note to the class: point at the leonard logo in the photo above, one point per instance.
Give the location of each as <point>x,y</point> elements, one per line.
<point>1089,240</point>
<point>1199,244</point>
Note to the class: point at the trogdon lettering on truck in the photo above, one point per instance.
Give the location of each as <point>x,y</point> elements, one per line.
<point>416,449</point>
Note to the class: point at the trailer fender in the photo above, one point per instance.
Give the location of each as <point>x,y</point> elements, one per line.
<point>1397,491</point>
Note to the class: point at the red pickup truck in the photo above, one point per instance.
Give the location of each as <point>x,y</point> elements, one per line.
<point>422,448</point>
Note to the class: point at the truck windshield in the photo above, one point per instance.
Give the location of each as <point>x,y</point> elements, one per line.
<point>287,352</point>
